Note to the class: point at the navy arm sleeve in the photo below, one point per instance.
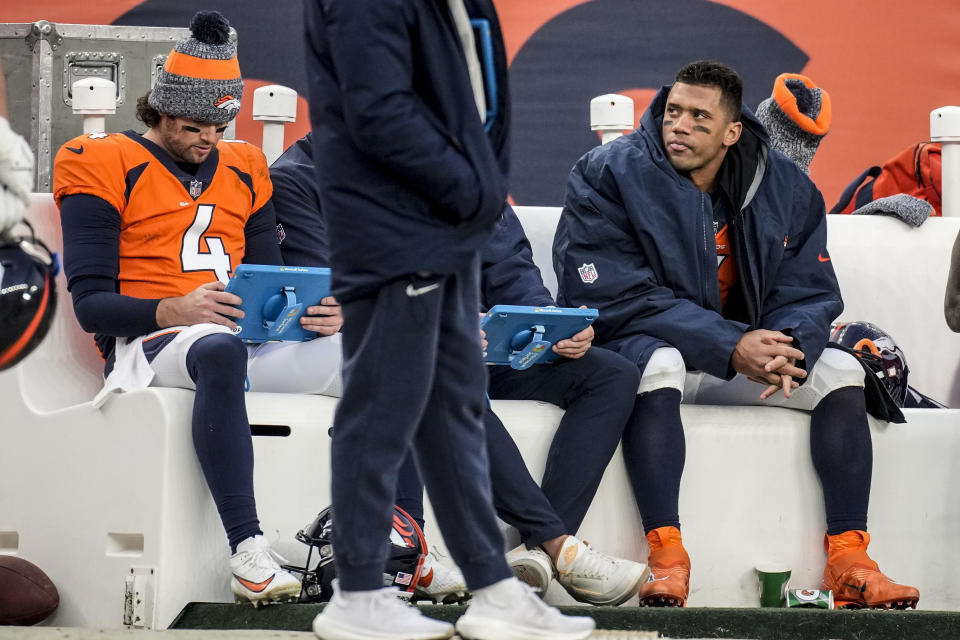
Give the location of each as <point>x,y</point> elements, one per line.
<point>508,274</point>
<point>260,236</point>
<point>91,257</point>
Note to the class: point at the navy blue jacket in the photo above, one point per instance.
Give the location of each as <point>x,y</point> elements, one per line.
<point>648,232</point>
<point>509,275</point>
<point>408,181</point>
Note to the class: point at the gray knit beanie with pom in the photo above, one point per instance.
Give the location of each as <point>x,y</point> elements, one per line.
<point>201,77</point>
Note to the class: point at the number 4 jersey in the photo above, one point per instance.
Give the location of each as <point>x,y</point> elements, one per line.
<point>177,230</point>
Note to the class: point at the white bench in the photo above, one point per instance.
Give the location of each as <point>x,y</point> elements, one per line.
<point>100,499</point>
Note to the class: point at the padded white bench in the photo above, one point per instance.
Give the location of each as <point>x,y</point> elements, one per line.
<point>105,499</point>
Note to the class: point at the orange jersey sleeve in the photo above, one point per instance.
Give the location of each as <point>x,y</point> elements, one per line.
<point>91,164</point>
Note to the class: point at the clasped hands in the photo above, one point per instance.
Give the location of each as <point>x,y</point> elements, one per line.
<point>767,357</point>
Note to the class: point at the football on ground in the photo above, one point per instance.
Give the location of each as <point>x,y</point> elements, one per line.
<point>27,595</point>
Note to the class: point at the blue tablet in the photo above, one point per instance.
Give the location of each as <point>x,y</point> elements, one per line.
<point>523,336</point>
<point>274,299</point>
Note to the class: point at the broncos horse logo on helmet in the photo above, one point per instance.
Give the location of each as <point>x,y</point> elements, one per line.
<point>407,550</point>
<point>28,297</point>
<point>878,351</point>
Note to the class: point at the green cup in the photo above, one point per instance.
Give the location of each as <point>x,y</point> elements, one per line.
<point>772,583</point>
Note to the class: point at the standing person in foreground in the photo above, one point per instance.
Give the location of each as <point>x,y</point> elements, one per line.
<point>153,226</point>
<point>410,189</point>
<point>705,251</point>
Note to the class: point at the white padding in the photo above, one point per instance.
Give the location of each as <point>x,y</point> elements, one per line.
<point>94,96</point>
<point>539,224</point>
<point>664,370</point>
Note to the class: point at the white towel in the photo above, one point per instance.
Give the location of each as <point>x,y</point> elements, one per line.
<point>132,372</point>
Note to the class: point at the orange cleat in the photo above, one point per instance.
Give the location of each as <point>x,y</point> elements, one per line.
<point>669,581</point>
<point>856,580</point>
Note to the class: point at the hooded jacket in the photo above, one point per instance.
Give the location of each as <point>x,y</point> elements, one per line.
<point>636,241</point>
<point>407,178</point>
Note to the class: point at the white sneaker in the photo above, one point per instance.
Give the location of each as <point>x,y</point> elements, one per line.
<point>258,577</point>
<point>532,566</point>
<point>594,577</point>
<point>511,610</point>
<point>375,615</point>
<point>440,583</point>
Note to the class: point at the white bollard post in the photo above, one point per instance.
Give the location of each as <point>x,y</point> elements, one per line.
<point>275,105</point>
<point>945,129</point>
<point>94,98</point>
<point>612,114</point>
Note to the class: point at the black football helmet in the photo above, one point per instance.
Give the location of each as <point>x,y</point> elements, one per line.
<point>407,550</point>
<point>878,351</point>
<point>28,296</point>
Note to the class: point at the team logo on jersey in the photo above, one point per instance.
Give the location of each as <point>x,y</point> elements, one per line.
<point>227,102</point>
<point>281,234</point>
<point>196,188</point>
<point>588,273</point>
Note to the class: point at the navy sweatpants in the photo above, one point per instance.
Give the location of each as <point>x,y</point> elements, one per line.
<point>413,376</point>
<point>597,392</point>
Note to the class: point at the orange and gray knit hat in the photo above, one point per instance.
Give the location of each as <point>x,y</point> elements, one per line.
<point>796,116</point>
<point>201,78</point>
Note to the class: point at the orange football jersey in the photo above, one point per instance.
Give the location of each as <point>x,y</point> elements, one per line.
<point>177,231</point>
<point>726,267</point>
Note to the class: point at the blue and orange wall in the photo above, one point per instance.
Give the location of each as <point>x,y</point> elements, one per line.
<point>886,64</point>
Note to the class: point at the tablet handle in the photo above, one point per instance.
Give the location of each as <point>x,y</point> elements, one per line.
<point>526,357</point>
<point>290,312</point>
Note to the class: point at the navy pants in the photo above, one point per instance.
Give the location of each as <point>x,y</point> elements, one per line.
<point>413,377</point>
<point>597,392</point>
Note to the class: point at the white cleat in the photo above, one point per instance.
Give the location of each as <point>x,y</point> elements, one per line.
<point>375,615</point>
<point>258,577</point>
<point>440,583</point>
<point>596,578</point>
<point>511,610</point>
<point>532,566</point>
